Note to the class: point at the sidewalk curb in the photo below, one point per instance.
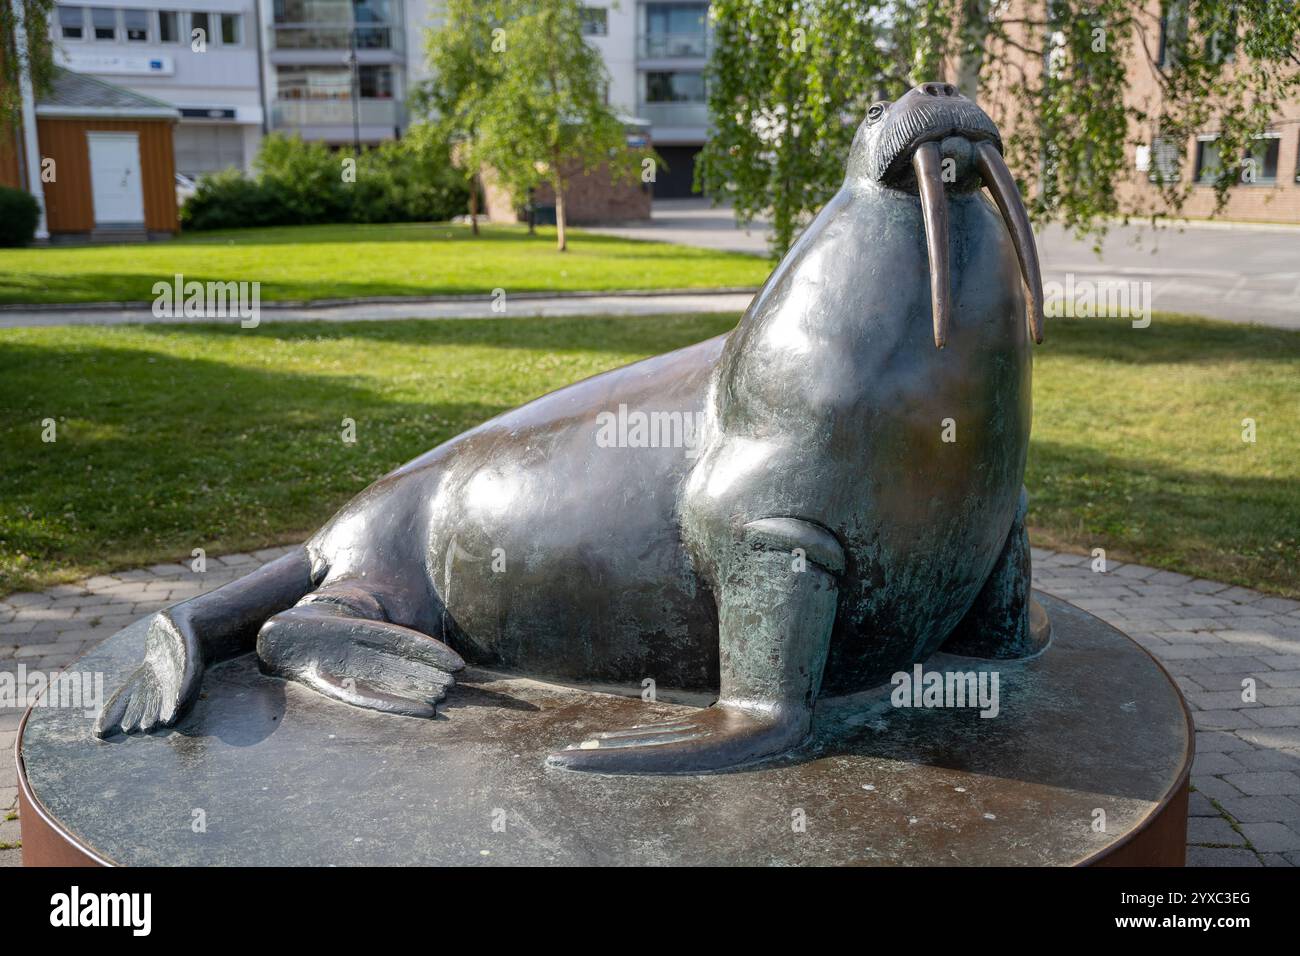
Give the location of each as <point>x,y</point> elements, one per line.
<point>299,304</point>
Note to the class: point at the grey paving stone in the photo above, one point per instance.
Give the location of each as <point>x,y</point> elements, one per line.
<point>1215,856</point>
<point>1273,738</point>
<point>1270,809</point>
<point>1226,682</point>
<point>1215,831</point>
<point>1133,571</point>
<point>1199,805</point>
<point>1278,717</point>
<point>1208,764</point>
<point>1216,741</point>
<point>1275,859</point>
<point>1216,788</point>
<point>1266,782</point>
<point>1224,720</point>
<point>1271,837</point>
<point>1268,760</point>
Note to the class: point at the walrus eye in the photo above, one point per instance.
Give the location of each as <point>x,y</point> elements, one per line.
<point>877,110</point>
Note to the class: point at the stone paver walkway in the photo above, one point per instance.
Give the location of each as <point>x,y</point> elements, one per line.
<point>1213,638</point>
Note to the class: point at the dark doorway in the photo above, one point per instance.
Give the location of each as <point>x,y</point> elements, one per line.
<point>675,181</point>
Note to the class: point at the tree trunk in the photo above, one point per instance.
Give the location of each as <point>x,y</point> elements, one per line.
<point>973,38</point>
<point>561,242</point>
<point>473,205</point>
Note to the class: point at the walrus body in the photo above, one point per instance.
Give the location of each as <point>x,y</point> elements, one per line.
<point>849,500</point>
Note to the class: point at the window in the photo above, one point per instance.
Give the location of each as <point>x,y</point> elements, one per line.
<point>375,82</point>
<point>232,29</point>
<point>207,147</point>
<point>199,21</point>
<point>1258,166</point>
<point>72,22</point>
<point>1221,44</point>
<point>1164,159</point>
<point>136,23</point>
<point>313,83</point>
<point>168,28</point>
<point>676,29</point>
<point>595,22</point>
<point>104,23</point>
<point>1173,31</point>
<point>674,87</point>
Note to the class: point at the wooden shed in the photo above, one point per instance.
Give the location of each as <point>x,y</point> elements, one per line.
<point>107,167</point>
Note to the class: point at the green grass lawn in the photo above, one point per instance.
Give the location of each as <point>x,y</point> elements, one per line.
<point>326,262</point>
<point>175,437</point>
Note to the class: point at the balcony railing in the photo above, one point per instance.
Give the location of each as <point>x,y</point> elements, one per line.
<point>663,115</point>
<point>318,36</point>
<point>291,113</point>
<point>667,46</point>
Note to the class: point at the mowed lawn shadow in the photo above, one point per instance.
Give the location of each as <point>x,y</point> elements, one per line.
<point>156,454</point>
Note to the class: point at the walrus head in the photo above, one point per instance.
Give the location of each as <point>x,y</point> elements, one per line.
<point>931,140</point>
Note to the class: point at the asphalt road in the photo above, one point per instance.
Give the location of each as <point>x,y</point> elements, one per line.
<point>1234,272</point>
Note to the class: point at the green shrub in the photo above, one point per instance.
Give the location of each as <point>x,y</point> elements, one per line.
<point>18,215</point>
<point>298,183</point>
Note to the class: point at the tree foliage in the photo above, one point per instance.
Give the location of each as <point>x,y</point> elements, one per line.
<point>526,93</point>
<point>1057,75</point>
<point>39,54</point>
<point>788,82</point>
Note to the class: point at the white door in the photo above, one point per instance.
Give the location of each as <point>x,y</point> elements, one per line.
<point>115,178</point>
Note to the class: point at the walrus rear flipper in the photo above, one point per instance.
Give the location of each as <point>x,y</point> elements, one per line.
<point>1005,622</point>
<point>340,642</point>
<point>187,637</point>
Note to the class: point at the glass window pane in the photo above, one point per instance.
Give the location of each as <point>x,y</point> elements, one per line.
<point>231,28</point>
<point>105,23</point>
<point>1207,161</point>
<point>595,21</point>
<point>137,25</point>
<point>674,88</point>
<point>72,22</point>
<point>199,21</point>
<point>167,28</point>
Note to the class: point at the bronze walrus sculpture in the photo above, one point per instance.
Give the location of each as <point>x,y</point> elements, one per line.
<point>822,530</point>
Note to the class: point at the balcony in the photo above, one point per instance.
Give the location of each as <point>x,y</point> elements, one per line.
<point>674,119</point>
<point>673,46</point>
<point>330,36</point>
<point>296,114</point>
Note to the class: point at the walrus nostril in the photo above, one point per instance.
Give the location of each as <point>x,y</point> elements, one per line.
<point>938,89</point>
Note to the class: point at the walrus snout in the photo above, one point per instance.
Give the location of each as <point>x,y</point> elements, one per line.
<point>934,139</point>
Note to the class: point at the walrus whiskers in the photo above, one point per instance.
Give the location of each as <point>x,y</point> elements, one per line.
<point>997,178</point>
<point>934,208</point>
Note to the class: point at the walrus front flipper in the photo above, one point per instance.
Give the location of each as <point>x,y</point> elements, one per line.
<point>338,642</point>
<point>1005,621</point>
<point>776,610</point>
<point>185,638</point>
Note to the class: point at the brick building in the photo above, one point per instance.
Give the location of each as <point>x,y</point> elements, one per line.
<point>1272,192</point>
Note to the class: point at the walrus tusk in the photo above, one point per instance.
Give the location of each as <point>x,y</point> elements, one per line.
<point>934,209</point>
<point>1000,183</point>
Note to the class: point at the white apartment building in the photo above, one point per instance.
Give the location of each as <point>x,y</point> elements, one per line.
<point>340,71</point>
<point>655,52</point>
<point>201,56</point>
<point>314,87</point>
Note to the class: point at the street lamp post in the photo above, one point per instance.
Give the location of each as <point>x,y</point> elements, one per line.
<point>356,85</point>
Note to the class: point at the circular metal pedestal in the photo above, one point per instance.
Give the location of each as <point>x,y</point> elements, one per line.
<point>1085,762</point>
